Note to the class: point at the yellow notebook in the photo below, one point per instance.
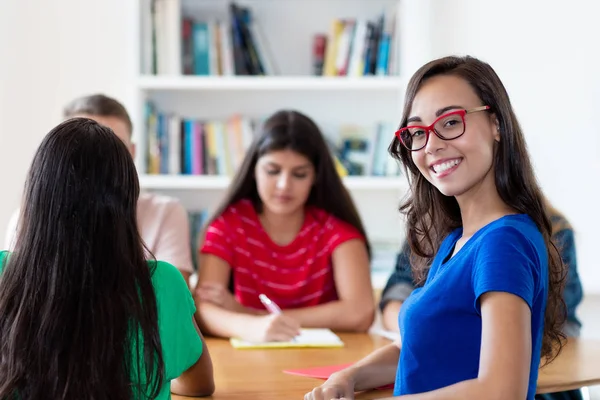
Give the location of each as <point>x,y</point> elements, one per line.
<point>307,338</point>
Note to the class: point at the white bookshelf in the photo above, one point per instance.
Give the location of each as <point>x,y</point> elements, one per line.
<point>270,83</point>
<point>190,182</point>
<point>289,26</point>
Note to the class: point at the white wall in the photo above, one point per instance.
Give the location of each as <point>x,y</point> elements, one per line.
<point>546,54</point>
<point>52,51</point>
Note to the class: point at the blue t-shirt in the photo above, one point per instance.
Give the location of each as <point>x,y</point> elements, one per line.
<point>440,323</point>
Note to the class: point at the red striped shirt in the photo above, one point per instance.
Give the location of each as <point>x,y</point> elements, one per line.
<point>296,275</point>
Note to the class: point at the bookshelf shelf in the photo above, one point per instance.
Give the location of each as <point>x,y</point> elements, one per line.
<point>365,104</point>
<point>186,182</point>
<point>268,83</point>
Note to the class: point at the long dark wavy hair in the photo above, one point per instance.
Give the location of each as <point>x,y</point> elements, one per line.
<point>79,313</point>
<point>292,130</point>
<point>431,216</point>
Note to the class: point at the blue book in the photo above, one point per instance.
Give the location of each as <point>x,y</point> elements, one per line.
<point>201,40</point>
<point>163,140</point>
<point>188,145</point>
<point>383,55</point>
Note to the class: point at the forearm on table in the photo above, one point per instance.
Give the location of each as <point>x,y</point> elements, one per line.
<point>218,321</point>
<point>471,389</point>
<point>337,315</point>
<point>241,309</point>
<point>375,370</point>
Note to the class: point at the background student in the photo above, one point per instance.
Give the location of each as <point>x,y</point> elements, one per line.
<point>83,312</point>
<point>288,229</point>
<point>162,220</point>
<point>490,308</point>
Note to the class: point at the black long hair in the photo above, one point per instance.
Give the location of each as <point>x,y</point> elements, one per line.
<point>292,130</point>
<point>79,313</point>
<point>431,215</point>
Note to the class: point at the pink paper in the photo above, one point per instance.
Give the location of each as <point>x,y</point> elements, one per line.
<point>324,373</point>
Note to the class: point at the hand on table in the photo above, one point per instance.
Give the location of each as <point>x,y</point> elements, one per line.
<point>340,385</point>
<point>273,328</point>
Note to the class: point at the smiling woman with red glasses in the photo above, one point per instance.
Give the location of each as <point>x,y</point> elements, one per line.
<point>491,307</point>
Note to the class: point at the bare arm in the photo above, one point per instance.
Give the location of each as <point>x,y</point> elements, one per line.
<point>355,309</point>
<point>236,320</point>
<point>213,319</point>
<point>377,369</point>
<point>505,353</point>
<point>390,315</point>
<point>198,380</point>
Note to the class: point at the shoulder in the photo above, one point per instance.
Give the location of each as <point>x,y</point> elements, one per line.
<point>165,275</point>
<point>560,224</point>
<point>330,223</point>
<point>331,230</point>
<point>237,213</point>
<point>151,202</point>
<point>519,226</point>
<point>512,235</point>
<point>510,256</point>
<point>163,269</point>
<point>242,208</point>
<point>3,258</point>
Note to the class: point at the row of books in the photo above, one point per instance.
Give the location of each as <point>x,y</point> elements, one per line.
<point>177,145</point>
<point>187,146</point>
<point>175,44</point>
<point>234,47</point>
<point>363,150</point>
<point>355,47</point>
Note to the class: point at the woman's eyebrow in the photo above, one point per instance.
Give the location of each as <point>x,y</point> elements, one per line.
<point>437,113</point>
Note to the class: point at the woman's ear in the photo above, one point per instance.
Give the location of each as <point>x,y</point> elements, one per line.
<point>496,123</point>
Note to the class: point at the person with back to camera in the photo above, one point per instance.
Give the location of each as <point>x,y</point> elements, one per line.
<point>288,229</point>
<point>84,315</point>
<point>491,307</point>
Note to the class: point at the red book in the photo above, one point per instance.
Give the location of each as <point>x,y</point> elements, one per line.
<point>318,53</point>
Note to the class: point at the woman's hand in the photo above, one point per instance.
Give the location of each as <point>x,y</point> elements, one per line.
<point>273,328</point>
<point>218,295</point>
<point>340,385</point>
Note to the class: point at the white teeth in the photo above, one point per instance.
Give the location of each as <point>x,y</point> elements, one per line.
<point>444,166</point>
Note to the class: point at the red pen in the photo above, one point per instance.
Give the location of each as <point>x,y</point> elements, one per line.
<point>269,304</point>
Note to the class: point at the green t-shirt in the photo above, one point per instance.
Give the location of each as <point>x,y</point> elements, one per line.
<point>181,345</point>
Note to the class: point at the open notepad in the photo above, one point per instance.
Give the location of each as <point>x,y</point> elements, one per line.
<point>307,338</point>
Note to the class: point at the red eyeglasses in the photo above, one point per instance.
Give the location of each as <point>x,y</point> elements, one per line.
<point>447,127</point>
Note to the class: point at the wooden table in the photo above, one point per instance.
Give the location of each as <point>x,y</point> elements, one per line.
<point>257,374</point>
<point>577,366</point>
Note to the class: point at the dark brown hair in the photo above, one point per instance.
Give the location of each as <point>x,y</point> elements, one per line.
<point>79,313</point>
<point>99,105</point>
<point>431,216</point>
<point>288,129</point>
